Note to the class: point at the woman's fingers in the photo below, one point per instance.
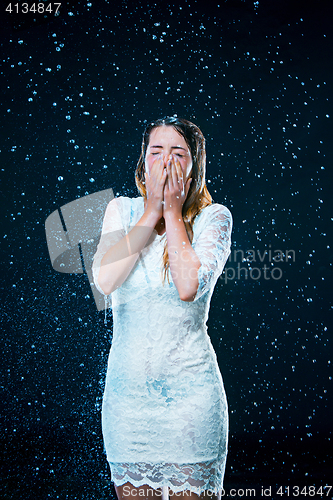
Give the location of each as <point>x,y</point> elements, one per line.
<point>161,171</point>
<point>175,189</point>
<point>157,167</point>
<point>178,168</point>
<point>169,173</point>
<point>157,174</point>
<point>175,179</point>
<point>175,176</point>
<point>180,175</point>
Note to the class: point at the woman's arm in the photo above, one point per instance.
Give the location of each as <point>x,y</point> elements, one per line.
<point>120,259</point>
<point>184,262</point>
<point>194,267</point>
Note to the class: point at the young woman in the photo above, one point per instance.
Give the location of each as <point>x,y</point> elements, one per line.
<point>164,415</point>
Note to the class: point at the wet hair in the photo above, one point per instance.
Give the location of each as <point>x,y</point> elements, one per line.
<point>198,195</point>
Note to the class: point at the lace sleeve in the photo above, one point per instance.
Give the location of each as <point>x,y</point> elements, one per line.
<point>112,231</point>
<point>212,246</point>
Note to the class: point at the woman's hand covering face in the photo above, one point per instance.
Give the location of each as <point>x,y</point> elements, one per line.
<point>155,178</point>
<point>176,187</point>
<point>168,161</point>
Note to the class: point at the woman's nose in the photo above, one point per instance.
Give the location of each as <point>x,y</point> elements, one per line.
<point>167,156</point>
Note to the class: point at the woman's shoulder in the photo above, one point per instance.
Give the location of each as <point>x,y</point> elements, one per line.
<point>122,211</point>
<point>124,203</point>
<point>214,217</point>
<point>214,211</point>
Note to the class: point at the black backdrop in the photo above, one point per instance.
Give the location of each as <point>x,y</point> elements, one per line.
<point>76,92</point>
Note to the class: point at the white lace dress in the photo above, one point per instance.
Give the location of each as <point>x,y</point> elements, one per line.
<point>164,414</point>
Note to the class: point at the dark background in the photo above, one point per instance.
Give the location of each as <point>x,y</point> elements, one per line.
<point>76,92</point>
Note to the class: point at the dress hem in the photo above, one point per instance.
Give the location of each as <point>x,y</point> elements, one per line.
<point>175,489</point>
<point>215,488</point>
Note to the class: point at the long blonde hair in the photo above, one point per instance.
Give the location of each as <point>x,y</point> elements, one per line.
<point>198,195</point>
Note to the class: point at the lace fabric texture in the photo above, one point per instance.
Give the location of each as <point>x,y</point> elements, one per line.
<point>164,414</point>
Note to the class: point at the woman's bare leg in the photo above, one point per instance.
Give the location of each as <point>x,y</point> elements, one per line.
<point>190,495</point>
<point>129,492</point>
